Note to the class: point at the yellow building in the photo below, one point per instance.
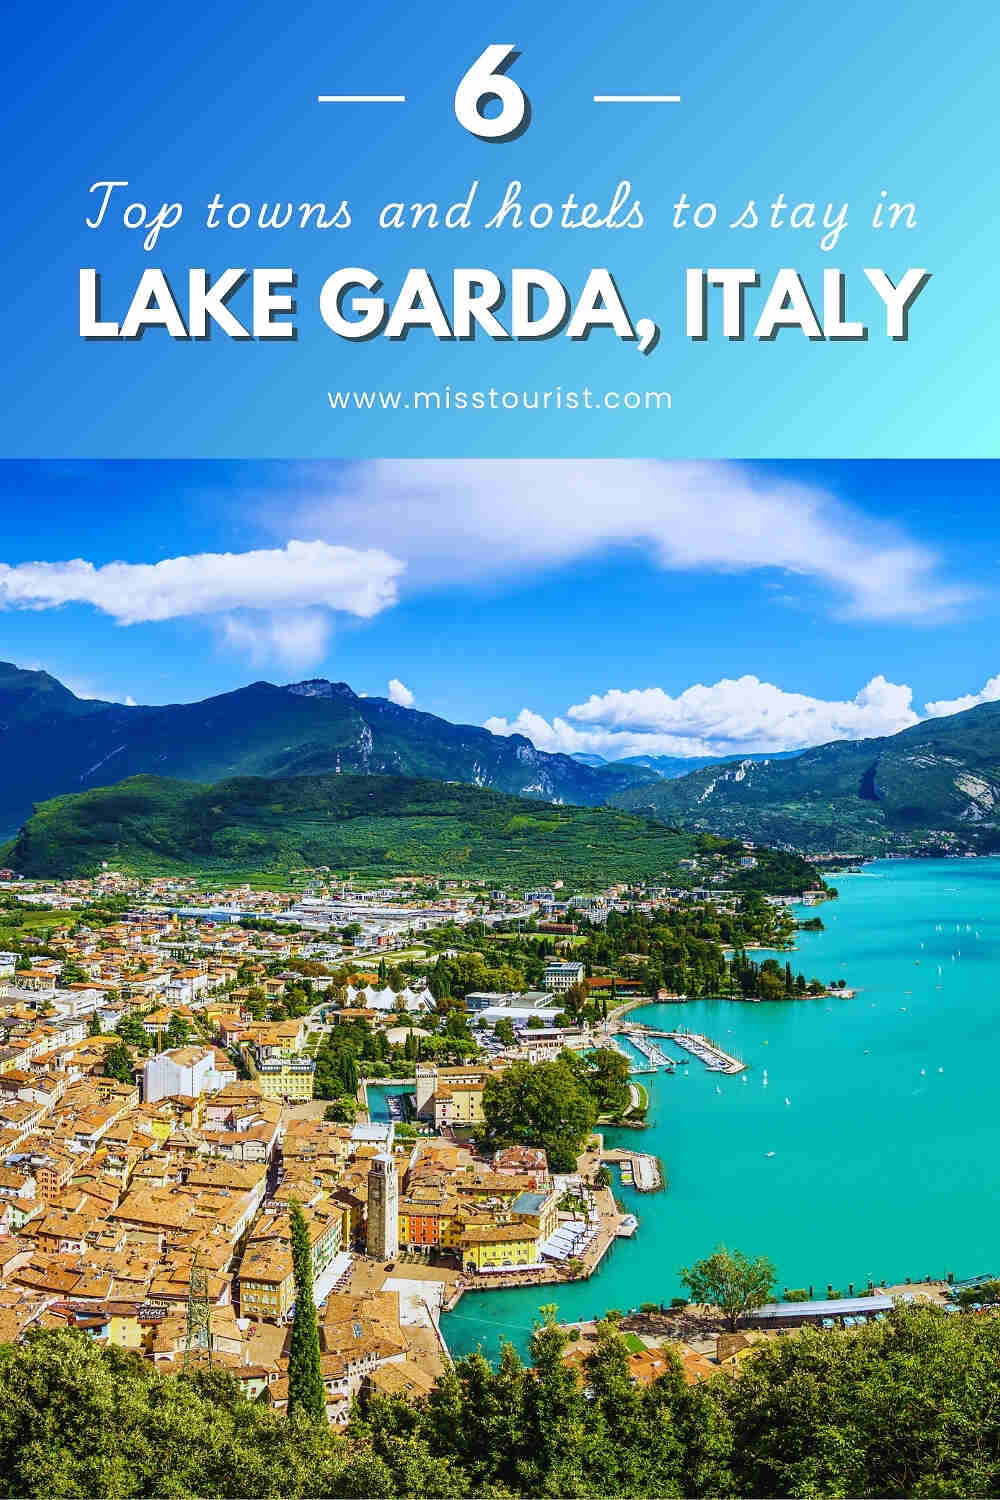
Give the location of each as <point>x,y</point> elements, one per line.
<point>124,1331</point>
<point>461,1103</point>
<point>267,1282</point>
<point>284,1075</point>
<point>537,1212</point>
<point>497,1246</point>
<point>266,1275</point>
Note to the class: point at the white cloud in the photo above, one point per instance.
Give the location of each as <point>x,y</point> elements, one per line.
<point>465,520</point>
<point>990,694</point>
<point>400,693</point>
<point>276,602</point>
<point>295,638</point>
<point>732,716</point>
<point>298,575</point>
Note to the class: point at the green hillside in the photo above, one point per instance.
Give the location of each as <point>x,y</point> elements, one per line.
<point>860,795</point>
<point>52,742</point>
<point>373,826</point>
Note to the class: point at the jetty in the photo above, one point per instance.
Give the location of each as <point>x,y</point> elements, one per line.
<point>650,1051</point>
<point>637,1169</point>
<point>634,1067</point>
<point>706,1051</point>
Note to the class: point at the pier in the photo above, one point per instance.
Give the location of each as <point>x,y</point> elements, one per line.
<point>634,1067</point>
<point>651,1051</point>
<point>707,1051</point>
<point>637,1169</point>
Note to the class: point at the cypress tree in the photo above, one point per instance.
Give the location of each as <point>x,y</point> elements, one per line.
<point>305,1382</point>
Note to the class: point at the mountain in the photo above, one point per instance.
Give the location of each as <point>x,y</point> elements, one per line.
<point>851,795</point>
<point>677,765</point>
<point>681,765</point>
<point>52,742</point>
<point>372,826</point>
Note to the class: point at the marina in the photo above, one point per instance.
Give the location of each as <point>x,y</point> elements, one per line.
<point>706,1051</point>
<point>650,1050</point>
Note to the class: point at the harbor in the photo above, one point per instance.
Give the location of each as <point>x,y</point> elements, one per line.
<point>745,1152</point>
<point>695,1044</point>
<point>706,1051</point>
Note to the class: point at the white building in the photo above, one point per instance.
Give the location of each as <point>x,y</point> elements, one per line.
<point>189,1071</point>
<point>562,976</point>
<point>388,1000</point>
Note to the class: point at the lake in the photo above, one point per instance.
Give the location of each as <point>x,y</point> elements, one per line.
<point>880,1110</point>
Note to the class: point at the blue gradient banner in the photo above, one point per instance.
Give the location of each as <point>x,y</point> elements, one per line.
<point>659,142</point>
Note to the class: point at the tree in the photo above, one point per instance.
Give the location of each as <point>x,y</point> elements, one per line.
<point>608,1081</point>
<point>730,1280</point>
<point>342,1111</point>
<point>306,1396</point>
<point>118,1063</point>
<point>504,1032</point>
<point>94,1024</point>
<point>130,1029</point>
<point>575,998</point>
<point>178,1031</point>
<point>897,1408</point>
<point>77,1418</point>
<point>543,1104</point>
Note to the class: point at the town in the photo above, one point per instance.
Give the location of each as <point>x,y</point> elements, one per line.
<point>181,1068</point>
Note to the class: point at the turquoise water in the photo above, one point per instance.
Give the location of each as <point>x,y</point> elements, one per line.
<point>887,1154</point>
<point>378,1110</point>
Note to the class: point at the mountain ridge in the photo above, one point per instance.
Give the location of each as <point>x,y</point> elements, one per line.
<point>940,775</point>
<point>52,742</point>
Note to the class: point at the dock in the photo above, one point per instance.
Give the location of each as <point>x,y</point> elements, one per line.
<point>637,1169</point>
<point>651,1052</point>
<point>706,1051</point>
<point>634,1067</point>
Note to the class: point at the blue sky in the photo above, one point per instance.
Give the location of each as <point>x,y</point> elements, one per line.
<point>610,606</point>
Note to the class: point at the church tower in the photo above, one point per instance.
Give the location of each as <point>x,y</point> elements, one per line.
<point>383,1208</point>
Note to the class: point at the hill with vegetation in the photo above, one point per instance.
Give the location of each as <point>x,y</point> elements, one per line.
<point>853,795</point>
<point>52,742</point>
<point>372,826</point>
<point>905,1407</point>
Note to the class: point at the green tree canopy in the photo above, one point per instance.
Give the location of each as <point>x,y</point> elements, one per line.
<point>542,1104</point>
<point>178,1031</point>
<point>306,1395</point>
<point>118,1063</point>
<point>730,1280</point>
